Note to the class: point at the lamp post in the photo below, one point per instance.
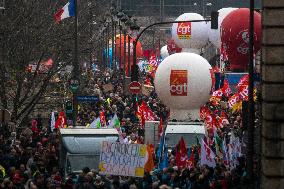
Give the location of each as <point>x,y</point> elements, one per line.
<point>250,99</point>
<point>135,28</point>
<point>74,83</point>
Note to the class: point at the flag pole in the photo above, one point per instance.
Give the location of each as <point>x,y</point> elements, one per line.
<point>163,147</point>
<point>75,65</point>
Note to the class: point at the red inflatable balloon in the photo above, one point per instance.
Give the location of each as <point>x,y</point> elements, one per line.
<point>172,47</point>
<point>119,49</point>
<point>235,37</point>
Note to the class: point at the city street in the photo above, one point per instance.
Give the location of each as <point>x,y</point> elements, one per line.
<point>123,94</point>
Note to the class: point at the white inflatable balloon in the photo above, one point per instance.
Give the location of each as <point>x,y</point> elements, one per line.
<point>214,34</point>
<point>164,52</point>
<point>183,81</point>
<point>190,34</point>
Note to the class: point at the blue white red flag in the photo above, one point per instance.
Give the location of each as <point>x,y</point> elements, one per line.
<point>67,11</point>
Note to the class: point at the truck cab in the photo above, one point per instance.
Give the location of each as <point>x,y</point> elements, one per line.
<point>80,147</point>
<point>190,131</point>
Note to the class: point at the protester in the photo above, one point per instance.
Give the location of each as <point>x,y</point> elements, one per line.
<point>30,158</point>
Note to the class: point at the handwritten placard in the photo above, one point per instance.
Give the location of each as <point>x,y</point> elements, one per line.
<point>122,159</point>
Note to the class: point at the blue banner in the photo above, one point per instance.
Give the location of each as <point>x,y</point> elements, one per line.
<point>87,98</point>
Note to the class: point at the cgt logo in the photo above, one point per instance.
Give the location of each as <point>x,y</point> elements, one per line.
<point>184,30</point>
<point>178,82</point>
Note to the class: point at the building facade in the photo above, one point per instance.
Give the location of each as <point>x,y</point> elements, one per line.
<point>273,95</point>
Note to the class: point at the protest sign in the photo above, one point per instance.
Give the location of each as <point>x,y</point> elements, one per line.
<point>108,87</point>
<point>147,89</point>
<point>122,159</point>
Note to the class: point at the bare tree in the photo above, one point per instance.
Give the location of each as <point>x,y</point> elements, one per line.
<point>29,35</point>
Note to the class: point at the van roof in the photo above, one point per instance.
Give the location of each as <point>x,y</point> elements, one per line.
<point>185,129</point>
<point>88,131</point>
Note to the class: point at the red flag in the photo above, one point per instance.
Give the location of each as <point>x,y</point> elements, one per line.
<point>224,118</point>
<point>243,93</point>
<point>216,97</point>
<point>243,82</point>
<point>161,129</point>
<point>226,88</point>
<point>216,69</point>
<point>211,122</point>
<point>203,112</point>
<point>181,153</point>
<point>140,114</point>
<point>190,162</point>
<point>148,81</point>
<point>61,121</point>
<point>149,115</point>
<point>154,65</point>
<point>103,118</point>
<point>233,100</point>
<point>218,93</point>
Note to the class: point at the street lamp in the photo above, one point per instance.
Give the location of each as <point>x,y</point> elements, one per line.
<point>135,70</point>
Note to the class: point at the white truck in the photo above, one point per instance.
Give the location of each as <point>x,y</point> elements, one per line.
<point>80,147</point>
<point>190,131</point>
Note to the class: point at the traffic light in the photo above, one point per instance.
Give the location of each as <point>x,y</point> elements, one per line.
<point>214,19</point>
<point>69,109</point>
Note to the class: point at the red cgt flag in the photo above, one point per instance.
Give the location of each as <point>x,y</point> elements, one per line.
<point>216,97</point>
<point>233,100</point>
<point>243,93</point>
<point>204,110</point>
<point>144,113</point>
<point>61,121</point>
<point>243,82</point>
<point>226,89</point>
<point>181,153</point>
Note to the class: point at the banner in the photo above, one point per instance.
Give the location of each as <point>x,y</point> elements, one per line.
<point>149,66</point>
<point>123,159</point>
<point>87,98</point>
<point>108,87</point>
<point>178,82</point>
<point>147,90</point>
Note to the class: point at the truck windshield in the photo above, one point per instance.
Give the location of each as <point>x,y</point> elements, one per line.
<point>76,162</point>
<point>190,139</point>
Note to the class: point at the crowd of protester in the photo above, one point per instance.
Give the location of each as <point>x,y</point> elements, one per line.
<point>29,158</point>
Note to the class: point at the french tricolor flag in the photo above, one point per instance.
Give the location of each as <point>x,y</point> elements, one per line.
<point>67,11</point>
